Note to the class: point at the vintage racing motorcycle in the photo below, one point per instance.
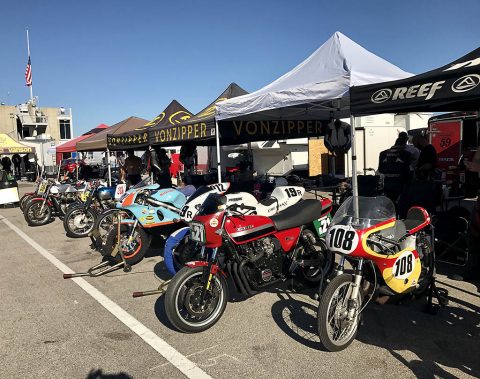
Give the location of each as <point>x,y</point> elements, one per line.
<point>390,257</point>
<point>179,248</point>
<point>256,251</point>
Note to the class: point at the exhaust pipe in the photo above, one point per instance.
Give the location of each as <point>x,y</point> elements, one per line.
<point>237,278</point>
<point>243,276</point>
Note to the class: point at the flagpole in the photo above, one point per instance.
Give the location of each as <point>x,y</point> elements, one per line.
<point>28,49</point>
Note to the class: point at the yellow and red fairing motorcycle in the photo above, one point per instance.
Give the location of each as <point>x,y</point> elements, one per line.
<point>393,255</point>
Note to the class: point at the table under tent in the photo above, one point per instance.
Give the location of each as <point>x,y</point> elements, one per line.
<point>9,188</point>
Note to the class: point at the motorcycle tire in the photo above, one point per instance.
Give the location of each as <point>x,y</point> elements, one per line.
<point>186,286</point>
<point>24,200</point>
<point>32,215</point>
<point>78,221</point>
<point>314,275</point>
<point>139,249</point>
<point>324,313</point>
<point>179,250</point>
<point>103,224</point>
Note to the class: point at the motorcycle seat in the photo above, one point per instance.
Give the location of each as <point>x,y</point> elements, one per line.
<point>269,201</point>
<point>63,187</point>
<point>299,214</point>
<point>415,218</point>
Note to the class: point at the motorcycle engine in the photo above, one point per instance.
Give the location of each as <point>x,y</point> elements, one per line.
<point>265,259</point>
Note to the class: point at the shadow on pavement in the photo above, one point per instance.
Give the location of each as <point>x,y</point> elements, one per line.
<point>99,374</point>
<point>297,318</point>
<point>448,339</point>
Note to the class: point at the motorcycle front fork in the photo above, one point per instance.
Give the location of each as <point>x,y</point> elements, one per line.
<point>209,271</point>
<point>132,233</point>
<point>357,282</point>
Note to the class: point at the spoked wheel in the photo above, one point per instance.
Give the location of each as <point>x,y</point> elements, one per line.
<point>188,308</point>
<point>133,250</point>
<point>25,200</point>
<point>104,223</point>
<point>36,213</point>
<point>336,328</point>
<point>78,221</point>
<point>317,252</point>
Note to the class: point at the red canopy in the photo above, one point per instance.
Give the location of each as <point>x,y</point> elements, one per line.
<point>71,145</point>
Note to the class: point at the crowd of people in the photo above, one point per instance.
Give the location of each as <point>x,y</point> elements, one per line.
<point>407,166</point>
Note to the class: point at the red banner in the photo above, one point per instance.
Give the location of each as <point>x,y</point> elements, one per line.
<point>446,137</point>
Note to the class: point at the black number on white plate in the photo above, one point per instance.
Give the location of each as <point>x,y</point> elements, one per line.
<point>342,238</point>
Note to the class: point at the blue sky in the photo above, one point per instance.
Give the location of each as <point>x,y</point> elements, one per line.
<point>108,60</point>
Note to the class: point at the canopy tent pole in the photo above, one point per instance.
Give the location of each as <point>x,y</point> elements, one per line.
<point>107,153</point>
<point>354,169</point>
<point>76,163</point>
<point>217,139</point>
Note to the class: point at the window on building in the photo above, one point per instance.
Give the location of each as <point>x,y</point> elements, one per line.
<point>65,129</point>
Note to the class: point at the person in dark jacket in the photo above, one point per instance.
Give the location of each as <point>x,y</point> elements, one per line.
<point>394,164</point>
<point>427,160</point>
<point>160,163</point>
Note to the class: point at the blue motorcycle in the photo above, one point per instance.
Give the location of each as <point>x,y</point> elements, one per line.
<point>151,211</point>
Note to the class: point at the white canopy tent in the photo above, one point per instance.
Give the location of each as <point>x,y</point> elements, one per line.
<point>318,88</point>
<point>315,87</point>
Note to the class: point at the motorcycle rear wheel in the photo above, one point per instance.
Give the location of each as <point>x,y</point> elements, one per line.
<point>332,312</point>
<point>183,303</point>
<point>104,223</point>
<point>133,253</point>
<point>35,215</point>
<point>78,221</point>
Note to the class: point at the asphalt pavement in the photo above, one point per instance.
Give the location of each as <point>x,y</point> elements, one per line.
<point>56,328</point>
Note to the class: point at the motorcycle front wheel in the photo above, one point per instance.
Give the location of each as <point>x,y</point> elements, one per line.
<point>35,215</point>
<point>104,222</point>
<point>186,308</point>
<point>335,329</point>
<point>78,221</point>
<point>133,251</point>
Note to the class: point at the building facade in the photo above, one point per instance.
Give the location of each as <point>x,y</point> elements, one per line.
<point>40,127</point>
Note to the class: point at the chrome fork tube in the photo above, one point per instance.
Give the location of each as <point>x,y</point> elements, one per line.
<point>357,281</point>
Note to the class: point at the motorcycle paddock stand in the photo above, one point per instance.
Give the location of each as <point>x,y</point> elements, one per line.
<point>441,294</point>
<point>103,268</point>
<point>162,288</point>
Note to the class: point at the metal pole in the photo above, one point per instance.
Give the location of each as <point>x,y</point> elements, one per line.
<point>28,49</point>
<point>219,164</point>
<point>354,169</point>
<point>108,167</point>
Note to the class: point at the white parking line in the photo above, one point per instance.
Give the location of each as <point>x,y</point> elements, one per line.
<point>182,363</point>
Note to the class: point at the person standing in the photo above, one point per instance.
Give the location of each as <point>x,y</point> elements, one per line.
<point>394,165</point>
<point>133,168</point>
<point>427,160</point>
<point>161,163</point>
<point>472,269</point>
<point>412,150</point>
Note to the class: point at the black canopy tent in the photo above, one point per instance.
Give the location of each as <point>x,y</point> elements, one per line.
<point>138,139</point>
<point>453,87</point>
<point>199,129</point>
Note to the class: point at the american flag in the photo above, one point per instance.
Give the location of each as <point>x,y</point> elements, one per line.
<point>28,73</point>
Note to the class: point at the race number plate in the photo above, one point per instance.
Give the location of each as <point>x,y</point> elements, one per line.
<point>342,239</point>
<point>120,190</point>
<point>84,195</point>
<point>197,232</point>
<point>42,188</point>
